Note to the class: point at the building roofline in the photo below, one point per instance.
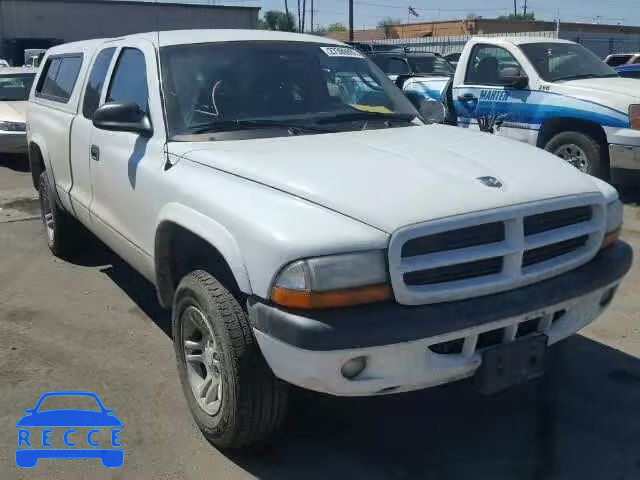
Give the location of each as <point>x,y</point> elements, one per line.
<point>150,3</point>
<point>506,20</point>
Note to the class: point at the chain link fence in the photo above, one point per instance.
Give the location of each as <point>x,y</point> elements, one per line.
<point>601,45</point>
<point>454,44</point>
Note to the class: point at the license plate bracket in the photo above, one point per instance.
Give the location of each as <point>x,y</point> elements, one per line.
<point>513,363</point>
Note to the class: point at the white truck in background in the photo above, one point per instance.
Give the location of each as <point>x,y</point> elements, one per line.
<point>553,94</point>
<point>33,57</point>
<point>306,233</point>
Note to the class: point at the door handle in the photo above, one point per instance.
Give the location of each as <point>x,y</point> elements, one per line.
<point>95,153</point>
<point>467,97</point>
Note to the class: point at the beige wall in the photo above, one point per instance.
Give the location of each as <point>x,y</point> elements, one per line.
<point>479,26</point>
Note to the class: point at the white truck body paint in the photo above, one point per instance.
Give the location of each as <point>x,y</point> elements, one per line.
<point>264,203</point>
<point>405,170</point>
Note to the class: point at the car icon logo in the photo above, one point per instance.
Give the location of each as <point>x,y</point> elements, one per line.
<point>492,182</point>
<point>41,433</point>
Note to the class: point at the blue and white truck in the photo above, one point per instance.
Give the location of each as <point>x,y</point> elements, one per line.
<point>554,94</point>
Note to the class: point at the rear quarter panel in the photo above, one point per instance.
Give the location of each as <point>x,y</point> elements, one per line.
<point>49,122</point>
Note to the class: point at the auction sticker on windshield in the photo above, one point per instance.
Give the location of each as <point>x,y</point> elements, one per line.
<point>341,52</point>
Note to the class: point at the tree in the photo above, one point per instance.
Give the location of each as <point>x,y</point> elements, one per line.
<point>336,27</point>
<point>530,16</point>
<point>277,20</point>
<point>388,21</point>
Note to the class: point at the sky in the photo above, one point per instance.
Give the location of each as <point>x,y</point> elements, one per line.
<point>368,12</point>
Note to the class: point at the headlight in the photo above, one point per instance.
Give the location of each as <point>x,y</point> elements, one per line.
<point>634,116</point>
<point>614,222</point>
<point>13,126</point>
<point>333,281</point>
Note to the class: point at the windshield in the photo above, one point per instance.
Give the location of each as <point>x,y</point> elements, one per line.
<point>565,61</point>
<point>15,87</point>
<point>217,87</point>
<point>427,65</point>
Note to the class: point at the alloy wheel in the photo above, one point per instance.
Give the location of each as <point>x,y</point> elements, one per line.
<point>203,360</point>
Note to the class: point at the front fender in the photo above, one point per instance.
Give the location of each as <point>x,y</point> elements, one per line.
<point>209,230</point>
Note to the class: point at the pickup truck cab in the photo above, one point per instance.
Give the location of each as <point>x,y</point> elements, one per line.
<point>554,94</point>
<point>307,233</point>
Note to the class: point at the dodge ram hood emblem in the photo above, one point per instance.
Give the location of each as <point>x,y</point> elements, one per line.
<point>492,182</point>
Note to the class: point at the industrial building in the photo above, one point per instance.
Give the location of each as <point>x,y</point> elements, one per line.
<point>482,26</point>
<point>32,24</point>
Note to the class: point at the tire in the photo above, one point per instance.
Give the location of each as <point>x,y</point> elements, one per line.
<point>63,232</point>
<point>582,151</point>
<point>251,403</point>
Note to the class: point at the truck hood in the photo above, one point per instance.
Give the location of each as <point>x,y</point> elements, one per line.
<point>395,177</point>
<point>618,93</point>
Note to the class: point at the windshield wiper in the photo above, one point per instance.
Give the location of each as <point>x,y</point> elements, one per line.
<point>586,75</point>
<point>366,116</point>
<point>230,125</point>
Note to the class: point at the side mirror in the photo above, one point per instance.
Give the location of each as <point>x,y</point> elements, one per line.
<point>432,111</point>
<point>122,117</point>
<point>514,77</point>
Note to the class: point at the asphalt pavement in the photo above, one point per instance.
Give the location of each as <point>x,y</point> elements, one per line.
<point>95,325</point>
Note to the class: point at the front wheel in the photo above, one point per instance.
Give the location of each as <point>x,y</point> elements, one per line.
<point>233,396</point>
<point>582,151</point>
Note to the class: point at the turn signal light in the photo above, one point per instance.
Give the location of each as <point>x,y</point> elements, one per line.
<point>634,116</point>
<point>610,238</point>
<point>331,299</point>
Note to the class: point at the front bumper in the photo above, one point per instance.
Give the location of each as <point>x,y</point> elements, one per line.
<point>308,349</point>
<point>13,142</point>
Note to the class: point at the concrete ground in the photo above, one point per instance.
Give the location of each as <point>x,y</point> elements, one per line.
<point>94,325</point>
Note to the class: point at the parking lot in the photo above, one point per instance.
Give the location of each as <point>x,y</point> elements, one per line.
<point>95,325</point>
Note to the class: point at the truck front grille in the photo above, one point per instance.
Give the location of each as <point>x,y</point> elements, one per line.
<point>455,239</point>
<point>488,252</point>
<point>453,273</point>
<point>548,252</point>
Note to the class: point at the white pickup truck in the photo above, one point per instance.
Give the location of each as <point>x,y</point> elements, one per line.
<point>305,237</point>
<point>554,94</point>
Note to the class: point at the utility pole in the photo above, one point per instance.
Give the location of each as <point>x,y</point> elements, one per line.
<point>558,25</point>
<point>312,16</point>
<point>351,20</point>
<point>286,11</point>
<point>525,10</point>
<point>304,14</point>
<point>515,7</point>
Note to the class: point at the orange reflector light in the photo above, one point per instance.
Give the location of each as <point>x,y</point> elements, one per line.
<point>610,238</point>
<point>634,116</point>
<point>332,299</point>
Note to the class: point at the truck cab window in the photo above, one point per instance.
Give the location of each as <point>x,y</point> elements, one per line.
<point>96,82</point>
<point>487,61</point>
<point>59,77</point>
<point>129,80</point>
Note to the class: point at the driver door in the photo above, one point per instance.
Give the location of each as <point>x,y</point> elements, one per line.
<point>485,103</point>
<point>126,166</point>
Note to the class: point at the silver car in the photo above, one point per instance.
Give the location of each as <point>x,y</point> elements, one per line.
<point>15,85</point>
